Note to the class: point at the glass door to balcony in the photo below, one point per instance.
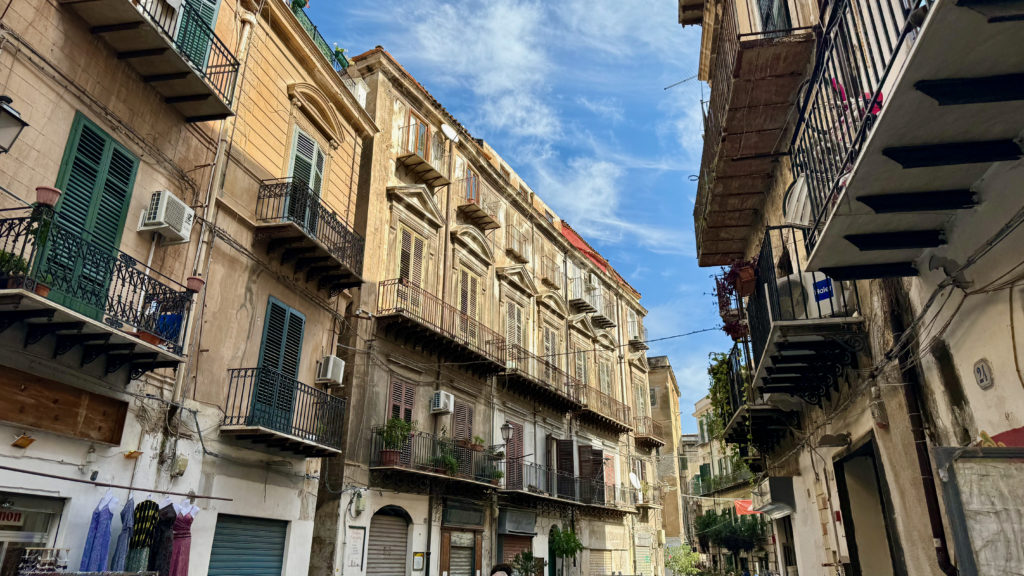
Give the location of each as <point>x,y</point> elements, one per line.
<point>195,30</point>
<point>274,394</point>
<point>77,250</point>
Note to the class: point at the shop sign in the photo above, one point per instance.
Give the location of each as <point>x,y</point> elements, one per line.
<point>12,518</point>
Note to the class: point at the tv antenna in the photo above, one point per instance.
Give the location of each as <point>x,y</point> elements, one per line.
<point>683,81</point>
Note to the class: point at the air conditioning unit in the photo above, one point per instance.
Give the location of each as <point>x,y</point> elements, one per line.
<point>441,402</point>
<point>809,296</point>
<point>169,216</point>
<point>331,371</point>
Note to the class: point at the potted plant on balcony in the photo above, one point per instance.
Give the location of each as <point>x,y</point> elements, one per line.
<point>43,283</point>
<point>737,329</point>
<point>496,476</point>
<point>395,434</point>
<point>478,444</point>
<point>12,270</point>
<point>742,276</point>
<point>445,463</point>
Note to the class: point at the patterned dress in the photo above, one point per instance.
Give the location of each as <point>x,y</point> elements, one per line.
<point>143,532</point>
<point>182,545</point>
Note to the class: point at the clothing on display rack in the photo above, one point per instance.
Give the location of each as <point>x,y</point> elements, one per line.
<point>163,541</point>
<point>143,532</point>
<point>117,564</point>
<point>182,544</point>
<point>96,552</point>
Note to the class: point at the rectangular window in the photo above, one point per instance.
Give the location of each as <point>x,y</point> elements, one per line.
<point>418,137</point>
<point>514,324</point>
<point>402,398</point>
<point>410,257</point>
<point>604,376</point>
<point>462,421</point>
<point>654,396</point>
<point>580,356</point>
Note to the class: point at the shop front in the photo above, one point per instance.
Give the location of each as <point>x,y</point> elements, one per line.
<point>516,529</point>
<point>28,531</point>
<point>462,528</point>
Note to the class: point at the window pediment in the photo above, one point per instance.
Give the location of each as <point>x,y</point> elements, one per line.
<point>553,302</point>
<point>519,277</point>
<point>474,241</point>
<point>318,109</point>
<point>639,361</point>
<point>605,339</point>
<point>581,322</point>
<point>418,200</point>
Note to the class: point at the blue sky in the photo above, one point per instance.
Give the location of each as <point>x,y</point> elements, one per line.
<point>571,94</point>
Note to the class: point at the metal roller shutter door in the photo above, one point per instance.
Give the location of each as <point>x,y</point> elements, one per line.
<point>643,561</point>
<point>388,546</point>
<point>461,562</point>
<point>600,562</point>
<point>245,546</point>
<point>512,545</point>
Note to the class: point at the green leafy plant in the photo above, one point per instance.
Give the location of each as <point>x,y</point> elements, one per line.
<point>682,561</point>
<point>478,440</point>
<point>447,462</point>
<point>524,564</point>
<point>564,543</point>
<point>396,432</point>
<point>721,405</point>
<point>497,474</point>
<point>12,264</point>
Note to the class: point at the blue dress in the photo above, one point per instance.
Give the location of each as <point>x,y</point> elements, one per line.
<point>96,552</point>
<point>127,525</point>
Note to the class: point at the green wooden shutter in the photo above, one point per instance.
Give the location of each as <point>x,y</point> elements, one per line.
<point>244,546</point>
<point>307,162</point>
<point>195,32</point>
<point>280,354</point>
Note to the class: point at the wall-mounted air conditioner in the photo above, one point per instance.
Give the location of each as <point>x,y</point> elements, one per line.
<point>808,296</point>
<point>169,216</point>
<point>331,371</point>
<point>441,402</point>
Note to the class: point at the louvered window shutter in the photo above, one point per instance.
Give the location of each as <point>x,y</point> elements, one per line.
<point>307,163</point>
<point>463,426</point>
<point>405,256</point>
<point>194,31</point>
<point>417,261</point>
<point>514,326</point>
<point>581,366</point>
<point>585,462</point>
<point>566,482</point>
<point>403,397</point>
<point>282,339</point>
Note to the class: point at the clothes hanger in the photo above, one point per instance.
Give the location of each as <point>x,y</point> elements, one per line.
<point>112,504</point>
<point>194,511</point>
<point>105,500</point>
<point>166,502</point>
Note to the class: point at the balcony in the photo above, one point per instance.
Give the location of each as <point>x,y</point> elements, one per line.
<point>174,49</point>
<point>309,235</point>
<point>751,419</point>
<point>334,57</point>
<point>583,298</point>
<point>649,497</point>
<point>605,316</point>
<point>425,320</point>
<point>477,203</point>
<point>648,432</point>
<point>705,485</point>
<point>440,457</point>
<point>637,336</point>
<point>517,244</point>
<point>901,124</point>
<point>603,410</point>
<point>270,409</point>
<point>551,273</point>
<point>755,73</point>
<point>540,378</point>
<point>805,327</point>
<point>68,292</point>
<point>422,156</point>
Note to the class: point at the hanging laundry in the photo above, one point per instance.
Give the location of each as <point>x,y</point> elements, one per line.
<point>117,564</point>
<point>143,532</point>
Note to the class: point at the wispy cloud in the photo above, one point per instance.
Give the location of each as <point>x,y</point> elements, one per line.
<point>609,109</point>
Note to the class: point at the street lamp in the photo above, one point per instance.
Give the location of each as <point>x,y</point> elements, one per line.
<point>506,432</point>
<point>11,124</point>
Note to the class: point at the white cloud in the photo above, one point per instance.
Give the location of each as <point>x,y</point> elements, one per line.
<point>604,108</point>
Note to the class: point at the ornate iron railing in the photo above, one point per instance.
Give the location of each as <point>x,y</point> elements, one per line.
<point>517,241</point>
<point>90,277</point>
<point>545,371</point>
<point>400,296</point>
<point>606,405</point>
<point>473,190</point>
<point>703,485</point>
<point>861,42</point>
<point>335,58</point>
<point>551,271</point>
<point>420,140</point>
<point>266,398</point>
<point>425,452</point>
<point>647,426</point>
<point>786,291</point>
<point>196,41</point>
<point>286,200</point>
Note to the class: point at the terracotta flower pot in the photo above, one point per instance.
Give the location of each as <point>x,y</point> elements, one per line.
<point>194,283</point>
<point>47,196</point>
<point>389,457</point>
<point>42,289</point>
<point>150,338</point>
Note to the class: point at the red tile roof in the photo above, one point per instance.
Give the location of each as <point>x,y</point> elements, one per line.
<point>594,256</point>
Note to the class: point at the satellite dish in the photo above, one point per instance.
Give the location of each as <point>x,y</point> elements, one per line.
<point>450,132</point>
<point>634,480</point>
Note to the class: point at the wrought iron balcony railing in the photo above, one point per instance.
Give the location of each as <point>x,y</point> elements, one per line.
<point>289,200</point>
<point>605,405</point>
<point>857,53</point>
<point>545,371</point>
<point>336,58</point>
<point>477,201</point>
<point>648,427</point>
<point>90,277</point>
<point>741,391</point>
<point>196,41</point>
<point>423,153</point>
<point>424,452</point>
<point>786,293</point>
<point>551,272</point>
<point>401,297</point>
<point>703,485</point>
<point>265,398</point>
<point>518,243</point>
<point>584,295</point>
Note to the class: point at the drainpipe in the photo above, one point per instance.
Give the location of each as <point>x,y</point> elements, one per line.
<point>897,294</point>
<point>248,20</point>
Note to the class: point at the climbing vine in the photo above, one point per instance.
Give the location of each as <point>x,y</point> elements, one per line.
<point>721,408</point>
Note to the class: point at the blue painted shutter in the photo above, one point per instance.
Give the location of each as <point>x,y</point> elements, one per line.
<point>245,546</point>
